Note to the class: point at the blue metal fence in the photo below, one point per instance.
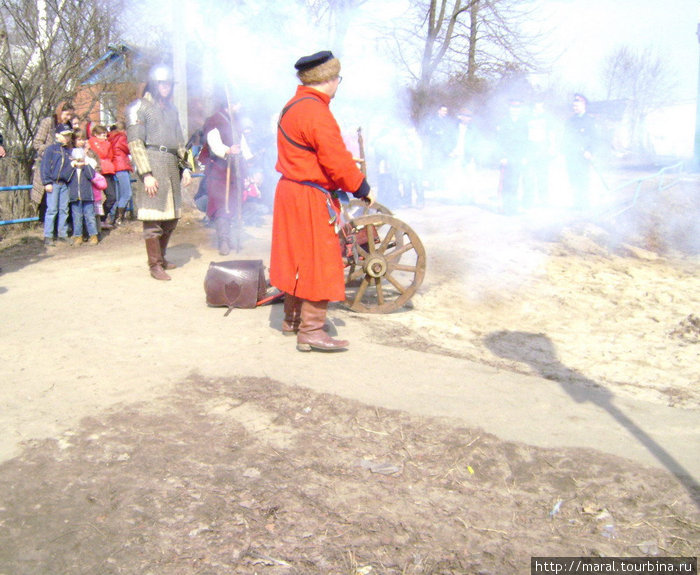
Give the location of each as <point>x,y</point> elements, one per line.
<point>36,219</point>
<point>20,220</point>
<point>631,191</point>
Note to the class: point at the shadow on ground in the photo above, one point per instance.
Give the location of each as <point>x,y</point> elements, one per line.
<point>538,351</point>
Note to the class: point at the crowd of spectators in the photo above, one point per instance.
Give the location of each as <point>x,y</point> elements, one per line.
<point>82,177</point>
<point>520,139</point>
<point>105,159</point>
<point>447,151</point>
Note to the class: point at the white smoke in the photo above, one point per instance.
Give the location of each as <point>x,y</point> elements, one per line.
<point>252,46</point>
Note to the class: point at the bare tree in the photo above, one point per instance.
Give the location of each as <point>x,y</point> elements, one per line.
<point>338,14</point>
<point>644,80</point>
<point>46,47</point>
<point>473,40</point>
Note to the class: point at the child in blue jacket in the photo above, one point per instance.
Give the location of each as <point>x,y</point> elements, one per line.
<point>56,172</point>
<point>82,200</point>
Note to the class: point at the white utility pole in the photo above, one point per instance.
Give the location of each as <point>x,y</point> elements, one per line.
<point>180,63</point>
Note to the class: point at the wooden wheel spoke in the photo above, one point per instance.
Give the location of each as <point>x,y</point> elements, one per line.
<point>361,252</point>
<point>399,251</point>
<point>391,279</point>
<point>371,232</point>
<point>404,268</point>
<point>380,291</point>
<point>361,291</point>
<point>355,274</point>
<point>387,239</point>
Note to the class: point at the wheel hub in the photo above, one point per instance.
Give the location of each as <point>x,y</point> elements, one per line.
<point>376,267</point>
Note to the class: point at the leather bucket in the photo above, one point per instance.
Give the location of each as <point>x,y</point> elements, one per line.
<point>235,284</point>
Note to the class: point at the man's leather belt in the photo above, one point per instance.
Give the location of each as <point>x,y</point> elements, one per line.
<point>165,149</point>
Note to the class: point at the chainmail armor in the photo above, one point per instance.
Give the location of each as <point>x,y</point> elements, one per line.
<point>151,124</point>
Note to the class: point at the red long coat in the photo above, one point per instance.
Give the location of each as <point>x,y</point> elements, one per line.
<point>305,258</point>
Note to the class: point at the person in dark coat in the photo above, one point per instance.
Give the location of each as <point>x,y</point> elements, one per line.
<point>441,133</point>
<point>512,134</point>
<point>465,154</point>
<point>579,147</point>
<point>43,138</point>
<point>56,172</point>
<point>223,156</point>
<point>80,193</point>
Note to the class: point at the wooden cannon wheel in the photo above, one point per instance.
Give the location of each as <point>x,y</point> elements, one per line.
<point>384,273</point>
<point>356,208</point>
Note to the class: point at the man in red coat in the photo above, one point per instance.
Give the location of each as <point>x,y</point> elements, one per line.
<point>306,261</point>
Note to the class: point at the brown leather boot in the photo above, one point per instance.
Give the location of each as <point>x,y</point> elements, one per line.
<point>223,235</point>
<point>168,228</point>
<point>292,314</point>
<point>311,334</point>
<point>155,259</point>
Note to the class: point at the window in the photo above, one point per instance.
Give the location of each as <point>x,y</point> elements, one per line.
<point>108,108</point>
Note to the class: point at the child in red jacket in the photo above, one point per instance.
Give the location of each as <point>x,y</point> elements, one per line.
<point>122,168</point>
<point>103,148</point>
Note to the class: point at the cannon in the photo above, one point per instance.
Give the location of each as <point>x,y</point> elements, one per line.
<point>384,259</point>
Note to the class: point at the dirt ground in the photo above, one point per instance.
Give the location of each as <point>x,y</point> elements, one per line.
<point>143,432</point>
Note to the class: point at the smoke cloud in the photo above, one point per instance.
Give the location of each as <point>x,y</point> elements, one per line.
<point>252,46</point>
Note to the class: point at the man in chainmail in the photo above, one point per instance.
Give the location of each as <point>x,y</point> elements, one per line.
<point>158,152</point>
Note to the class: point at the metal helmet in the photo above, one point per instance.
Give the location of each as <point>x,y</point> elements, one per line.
<point>160,73</point>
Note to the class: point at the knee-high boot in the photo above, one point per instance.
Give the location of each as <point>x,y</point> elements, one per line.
<point>155,259</point>
<point>292,314</point>
<point>168,228</point>
<point>223,235</point>
<point>311,334</point>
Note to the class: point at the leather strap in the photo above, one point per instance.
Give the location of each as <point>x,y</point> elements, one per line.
<point>279,125</point>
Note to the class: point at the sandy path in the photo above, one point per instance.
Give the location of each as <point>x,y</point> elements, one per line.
<point>87,328</point>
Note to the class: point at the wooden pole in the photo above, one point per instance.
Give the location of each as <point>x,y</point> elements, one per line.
<point>180,66</point>
<point>361,145</point>
<point>237,175</point>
